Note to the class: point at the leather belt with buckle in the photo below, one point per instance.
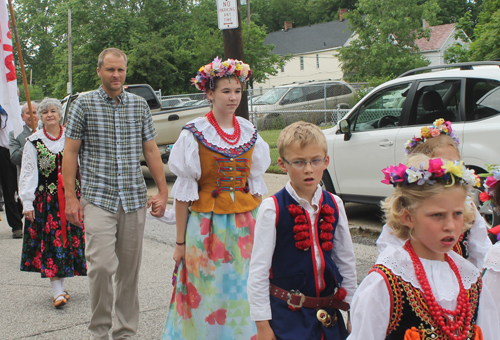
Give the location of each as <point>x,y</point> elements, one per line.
<point>296,299</point>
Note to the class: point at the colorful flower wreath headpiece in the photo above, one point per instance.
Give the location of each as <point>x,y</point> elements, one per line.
<point>219,68</point>
<point>439,127</point>
<point>449,174</point>
<point>490,184</point>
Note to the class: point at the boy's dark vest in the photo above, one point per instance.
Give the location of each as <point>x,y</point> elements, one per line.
<point>295,269</point>
<point>409,309</point>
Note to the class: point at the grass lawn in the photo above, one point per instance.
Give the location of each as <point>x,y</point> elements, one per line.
<point>271,138</point>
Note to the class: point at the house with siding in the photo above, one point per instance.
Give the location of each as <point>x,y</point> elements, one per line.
<point>314,49</point>
<point>442,37</point>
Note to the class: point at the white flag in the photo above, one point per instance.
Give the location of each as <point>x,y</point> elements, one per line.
<point>9,97</point>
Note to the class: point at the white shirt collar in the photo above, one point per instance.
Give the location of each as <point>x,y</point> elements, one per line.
<point>303,202</point>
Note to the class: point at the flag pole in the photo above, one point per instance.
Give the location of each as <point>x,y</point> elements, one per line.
<point>25,81</point>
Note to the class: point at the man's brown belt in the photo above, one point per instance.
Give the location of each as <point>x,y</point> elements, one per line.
<point>296,299</point>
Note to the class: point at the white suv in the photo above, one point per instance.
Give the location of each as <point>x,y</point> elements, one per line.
<point>373,134</point>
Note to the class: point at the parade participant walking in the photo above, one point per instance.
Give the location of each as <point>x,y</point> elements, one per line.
<point>303,267</point>
<point>51,246</point>
<point>423,289</point>
<point>109,129</point>
<point>8,178</point>
<point>439,140</point>
<point>16,144</point>
<point>219,160</point>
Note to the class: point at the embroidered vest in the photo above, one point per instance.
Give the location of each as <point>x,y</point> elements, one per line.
<point>295,269</point>
<point>48,163</point>
<point>224,173</point>
<point>462,245</point>
<point>409,309</point>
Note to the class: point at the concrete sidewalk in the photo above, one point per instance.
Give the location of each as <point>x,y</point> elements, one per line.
<point>27,311</point>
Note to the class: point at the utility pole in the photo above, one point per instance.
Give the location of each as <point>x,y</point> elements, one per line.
<point>70,70</point>
<point>233,48</point>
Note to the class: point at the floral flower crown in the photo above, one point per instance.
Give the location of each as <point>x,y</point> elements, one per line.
<point>449,174</point>
<point>491,182</point>
<point>219,68</point>
<point>439,127</point>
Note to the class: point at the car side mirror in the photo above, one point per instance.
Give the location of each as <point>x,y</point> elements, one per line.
<point>345,129</point>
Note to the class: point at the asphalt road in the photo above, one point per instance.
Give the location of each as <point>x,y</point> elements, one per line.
<point>27,311</point>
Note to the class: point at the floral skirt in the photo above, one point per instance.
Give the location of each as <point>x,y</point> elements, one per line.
<point>210,296</point>
<point>44,250</point>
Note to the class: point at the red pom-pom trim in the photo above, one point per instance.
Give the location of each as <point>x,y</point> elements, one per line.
<point>329,219</point>
<point>325,236</point>
<point>340,294</point>
<point>301,236</point>
<point>303,245</point>
<point>327,246</point>
<point>301,219</point>
<point>295,210</point>
<point>327,210</point>
<point>326,227</point>
<point>300,227</point>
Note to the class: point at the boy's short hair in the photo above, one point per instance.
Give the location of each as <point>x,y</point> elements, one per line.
<point>302,133</point>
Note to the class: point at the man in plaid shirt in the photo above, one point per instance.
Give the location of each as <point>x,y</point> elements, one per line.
<point>108,129</point>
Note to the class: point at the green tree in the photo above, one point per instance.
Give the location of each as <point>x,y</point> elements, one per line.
<point>36,92</point>
<point>385,44</point>
<point>487,33</point>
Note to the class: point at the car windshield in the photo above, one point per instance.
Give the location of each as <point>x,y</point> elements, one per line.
<point>271,96</point>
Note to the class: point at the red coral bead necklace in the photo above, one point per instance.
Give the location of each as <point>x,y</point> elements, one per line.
<point>463,311</point>
<point>52,138</point>
<point>229,139</point>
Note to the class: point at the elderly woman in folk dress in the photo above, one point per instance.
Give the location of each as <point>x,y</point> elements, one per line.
<point>51,246</point>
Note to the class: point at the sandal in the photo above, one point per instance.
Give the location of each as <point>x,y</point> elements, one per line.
<point>66,295</point>
<point>61,302</point>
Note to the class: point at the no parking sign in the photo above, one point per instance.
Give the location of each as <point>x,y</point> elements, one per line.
<point>227,14</point>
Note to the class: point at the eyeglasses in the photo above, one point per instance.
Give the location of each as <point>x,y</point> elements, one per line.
<point>301,164</point>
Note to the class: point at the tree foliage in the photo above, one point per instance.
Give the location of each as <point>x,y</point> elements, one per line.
<point>166,41</point>
<point>385,43</point>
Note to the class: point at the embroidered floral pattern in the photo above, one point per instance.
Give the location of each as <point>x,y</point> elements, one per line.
<point>232,152</point>
<point>209,297</point>
<point>46,159</point>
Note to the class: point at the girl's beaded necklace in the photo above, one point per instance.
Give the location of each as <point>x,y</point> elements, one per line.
<point>439,314</point>
<point>230,139</point>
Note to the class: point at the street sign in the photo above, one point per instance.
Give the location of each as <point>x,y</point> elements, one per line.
<point>227,14</point>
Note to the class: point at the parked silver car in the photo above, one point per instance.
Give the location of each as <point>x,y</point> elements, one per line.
<point>302,101</point>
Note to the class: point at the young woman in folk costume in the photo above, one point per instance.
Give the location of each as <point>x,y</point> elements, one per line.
<point>440,141</point>
<point>219,160</point>
<point>423,290</point>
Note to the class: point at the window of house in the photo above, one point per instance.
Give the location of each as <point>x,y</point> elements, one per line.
<point>302,63</point>
<point>282,68</point>
<point>317,60</point>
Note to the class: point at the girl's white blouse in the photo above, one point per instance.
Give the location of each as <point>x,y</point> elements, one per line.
<point>184,160</point>
<point>28,179</point>
<point>479,242</point>
<point>370,308</point>
<point>491,278</point>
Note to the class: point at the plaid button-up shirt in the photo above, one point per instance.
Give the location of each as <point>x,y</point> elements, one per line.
<point>112,137</point>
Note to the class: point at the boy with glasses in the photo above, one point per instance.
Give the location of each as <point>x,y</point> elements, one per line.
<point>303,269</point>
